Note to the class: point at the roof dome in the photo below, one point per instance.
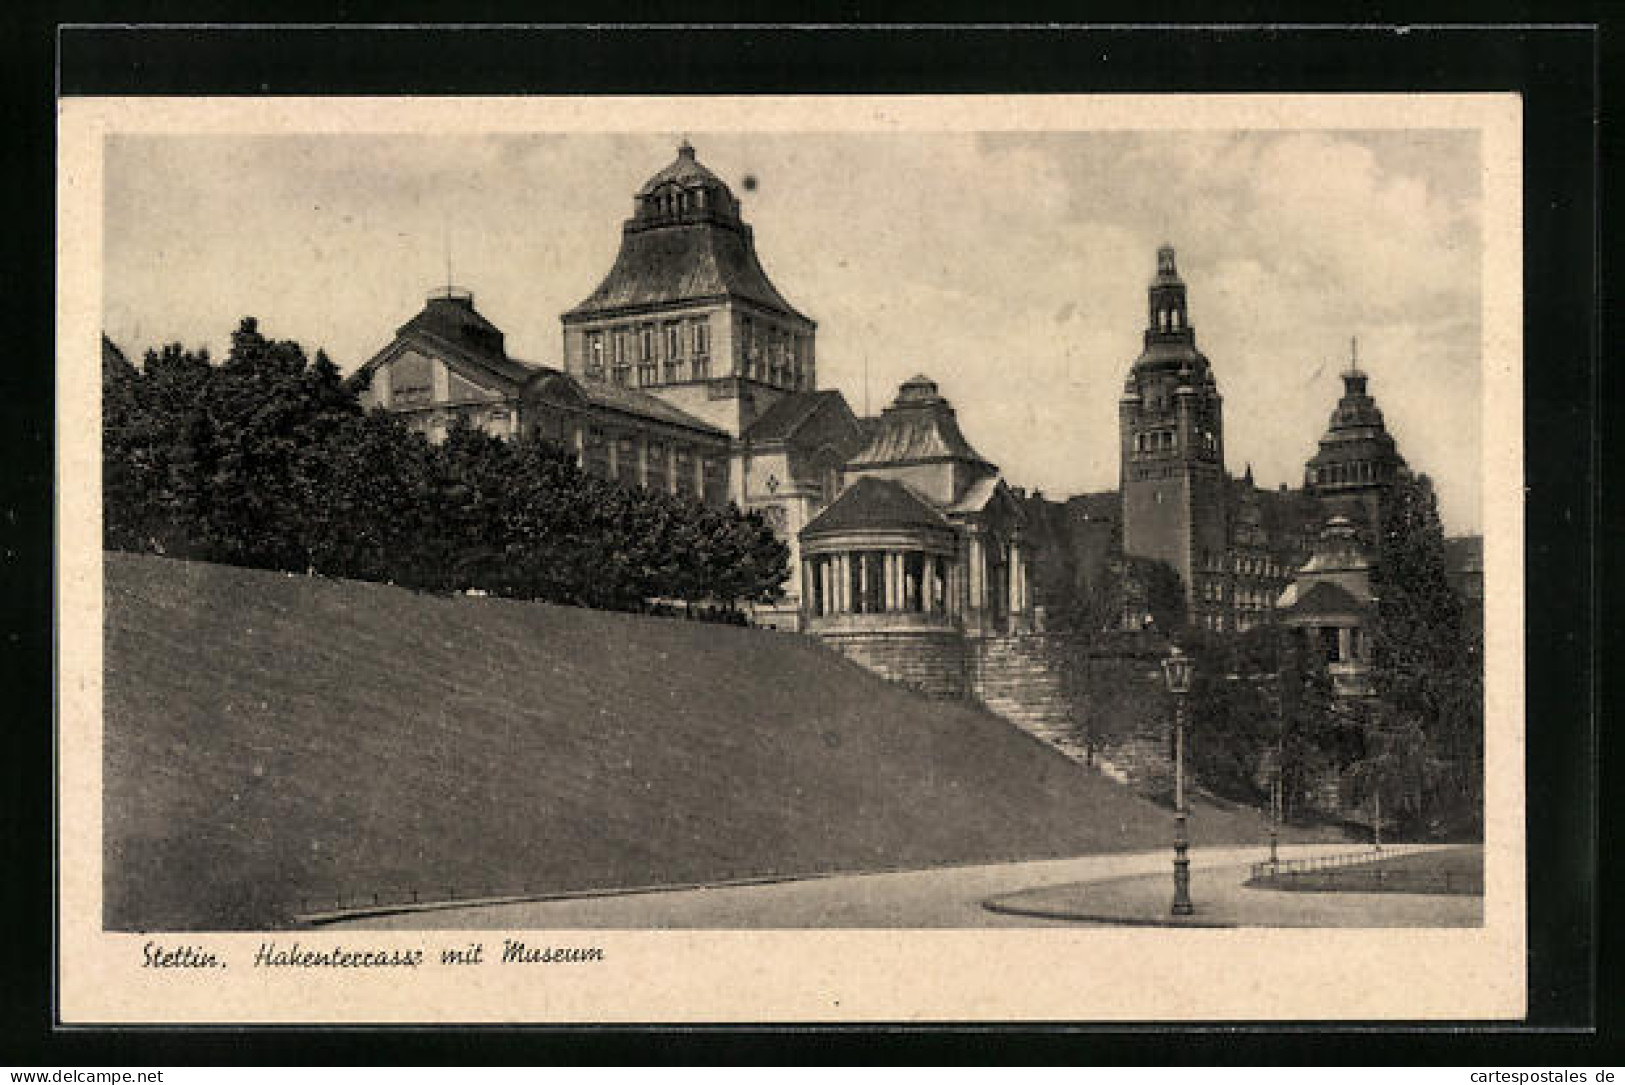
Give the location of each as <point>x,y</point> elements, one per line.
<point>918,426</point>
<point>684,192</point>
<point>685,171</point>
<point>918,389</point>
<point>684,242</point>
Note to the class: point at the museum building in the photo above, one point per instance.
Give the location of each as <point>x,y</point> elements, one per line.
<point>687,371</point>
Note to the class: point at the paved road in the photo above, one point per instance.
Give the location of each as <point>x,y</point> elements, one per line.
<point>943,897</point>
<point>1223,900</point>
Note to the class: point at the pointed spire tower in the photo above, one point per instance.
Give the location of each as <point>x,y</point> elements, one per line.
<point>1171,422</point>
<point>1357,462</point>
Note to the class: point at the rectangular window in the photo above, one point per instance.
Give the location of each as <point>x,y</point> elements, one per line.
<point>702,338</point>
<point>646,344</point>
<point>595,354</point>
<point>674,341</point>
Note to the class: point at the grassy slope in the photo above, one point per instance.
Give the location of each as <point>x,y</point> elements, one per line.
<point>269,737</point>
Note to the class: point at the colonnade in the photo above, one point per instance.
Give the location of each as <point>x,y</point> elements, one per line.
<point>879,582</point>
<point>916,581</point>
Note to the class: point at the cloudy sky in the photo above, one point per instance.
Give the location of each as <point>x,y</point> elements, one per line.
<point>1009,267</point>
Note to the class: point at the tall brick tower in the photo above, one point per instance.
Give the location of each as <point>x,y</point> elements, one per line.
<point>1171,419</point>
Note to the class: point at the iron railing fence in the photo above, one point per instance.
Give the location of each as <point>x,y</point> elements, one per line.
<point>1354,871</point>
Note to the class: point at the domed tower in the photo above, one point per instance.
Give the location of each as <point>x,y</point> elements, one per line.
<point>1171,420</point>
<point>1358,462</point>
<point>686,312</point>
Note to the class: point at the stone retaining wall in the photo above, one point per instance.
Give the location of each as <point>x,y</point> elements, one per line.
<point>929,662</point>
<point>1101,704</point>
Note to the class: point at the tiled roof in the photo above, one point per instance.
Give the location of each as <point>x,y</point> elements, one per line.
<point>875,503</point>
<point>450,326</point>
<point>683,262</point>
<point>919,425</point>
<point>452,317</point>
<point>977,495</point>
<point>511,369</point>
<point>781,421</point>
<point>1324,599</point>
<point>633,401</point>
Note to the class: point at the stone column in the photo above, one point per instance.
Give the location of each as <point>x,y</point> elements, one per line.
<point>699,474</point>
<point>1013,583</point>
<point>643,460</point>
<point>1344,649</point>
<point>579,440</point>
<point>977,569</point>
<point>889,563</point>
<point>863,580</point>
<point>614,440</point>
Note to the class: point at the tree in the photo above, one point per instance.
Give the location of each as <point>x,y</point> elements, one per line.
<point>1425,667</point>
<point>1311,738</point>
<point>262,441</point>
<point>268,460</point>
<point>154,449</point>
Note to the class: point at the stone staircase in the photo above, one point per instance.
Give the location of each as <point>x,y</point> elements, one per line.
<point>1017,677</point>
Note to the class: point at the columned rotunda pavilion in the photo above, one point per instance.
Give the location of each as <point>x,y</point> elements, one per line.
<point>922,549</point>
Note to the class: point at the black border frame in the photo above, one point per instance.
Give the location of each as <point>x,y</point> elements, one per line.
<point>1556,68</point>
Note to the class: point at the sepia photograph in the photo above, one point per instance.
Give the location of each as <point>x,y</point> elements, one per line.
<point>928,536</point>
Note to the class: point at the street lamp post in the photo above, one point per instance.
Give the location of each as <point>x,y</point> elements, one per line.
<point>1276,784</point>
<point>1275,821</point>
<point>1376,821</point>
<point>1177,670</point>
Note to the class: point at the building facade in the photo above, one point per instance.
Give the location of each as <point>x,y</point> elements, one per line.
<point>922,552</point>
<point>685,371</point>
<point>1331,602</point>
<point>687,310</point>
<point>450,362</point>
